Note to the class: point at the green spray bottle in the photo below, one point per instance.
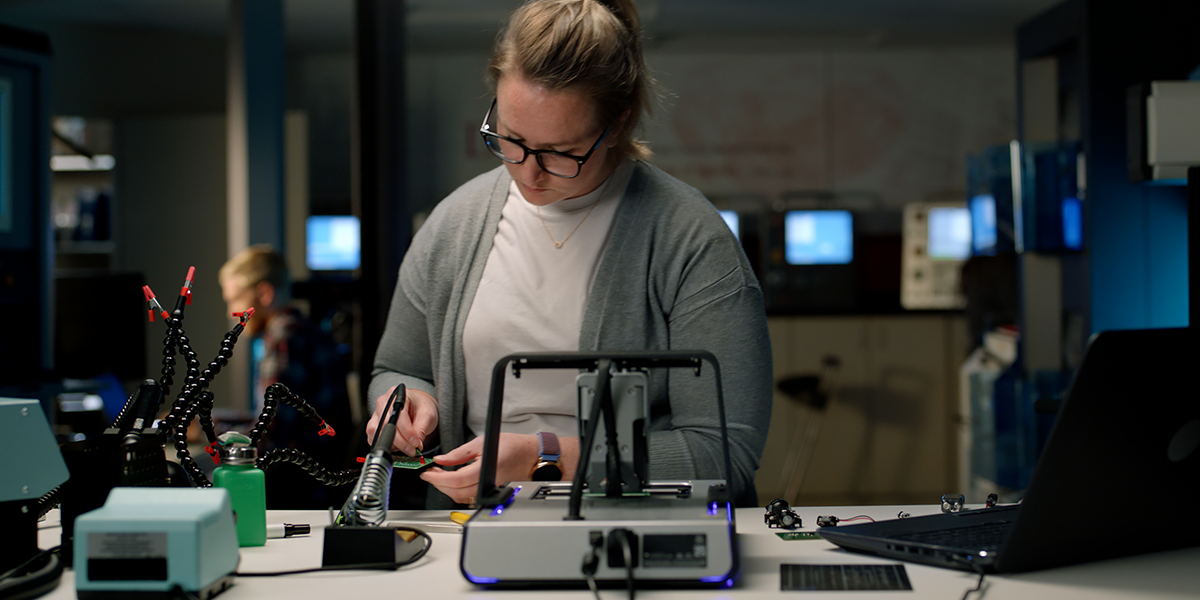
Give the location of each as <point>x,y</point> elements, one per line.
<point>247,487</point>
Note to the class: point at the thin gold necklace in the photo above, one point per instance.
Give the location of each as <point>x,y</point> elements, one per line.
<point>559,243</point>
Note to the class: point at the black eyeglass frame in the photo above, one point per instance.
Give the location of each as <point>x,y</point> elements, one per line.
<point>487,133</point>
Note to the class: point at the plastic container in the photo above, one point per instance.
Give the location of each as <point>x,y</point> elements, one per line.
<point>247,488</point>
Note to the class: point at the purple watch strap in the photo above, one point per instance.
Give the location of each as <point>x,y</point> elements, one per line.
<point>548,448</point>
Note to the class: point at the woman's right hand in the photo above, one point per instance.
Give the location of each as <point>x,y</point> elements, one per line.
<point>418,419</point>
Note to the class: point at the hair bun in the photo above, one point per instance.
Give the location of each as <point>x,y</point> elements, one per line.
<point>626,11</point>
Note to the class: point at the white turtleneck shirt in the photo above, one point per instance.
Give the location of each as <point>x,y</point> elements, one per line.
<point>531,299</point>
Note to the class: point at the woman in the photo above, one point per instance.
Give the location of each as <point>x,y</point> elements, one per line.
<point>575,244</point>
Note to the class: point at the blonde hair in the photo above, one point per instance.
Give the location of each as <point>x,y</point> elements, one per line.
<point>593,46</point>
<point>257,264</point>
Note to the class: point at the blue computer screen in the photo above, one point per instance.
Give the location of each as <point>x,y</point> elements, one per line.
<point>818,237</point>
<point>1072,218</point>
<point>731,219</point>
<point>332,243</point>
<point>983,224</point>
<point>949,233</point>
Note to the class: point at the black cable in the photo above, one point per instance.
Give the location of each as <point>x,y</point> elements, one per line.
<point>363,566</point>
<point>978,587</point>
<point>856,518</point>
<point>29,561</point>
<point>627,552</point>
<point>388,411</point>
<point>20,583</point>
<point>591,563</point>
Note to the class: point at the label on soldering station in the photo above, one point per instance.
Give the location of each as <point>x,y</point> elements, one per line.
<point>146,544</point>
<point>675,550</point>
<point>127,556</point>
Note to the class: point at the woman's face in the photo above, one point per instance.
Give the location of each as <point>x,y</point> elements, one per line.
<point>563,121</point>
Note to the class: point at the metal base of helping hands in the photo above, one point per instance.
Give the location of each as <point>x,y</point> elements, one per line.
<point>677,533</point>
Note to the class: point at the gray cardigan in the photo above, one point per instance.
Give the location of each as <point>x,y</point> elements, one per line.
<point>672,276</point>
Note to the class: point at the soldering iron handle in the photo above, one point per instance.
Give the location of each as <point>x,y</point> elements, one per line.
<point>149,399</point>
<point>387,433</point>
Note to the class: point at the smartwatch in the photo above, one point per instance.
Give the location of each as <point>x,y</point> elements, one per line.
<point>548,453</point>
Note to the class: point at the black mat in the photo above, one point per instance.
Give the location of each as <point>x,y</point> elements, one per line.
<point>812,578</point>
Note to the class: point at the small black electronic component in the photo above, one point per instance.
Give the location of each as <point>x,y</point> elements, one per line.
<point>832,521</point>
<point>780,515</point>
<point>952,503</point>
<point>991,501</point>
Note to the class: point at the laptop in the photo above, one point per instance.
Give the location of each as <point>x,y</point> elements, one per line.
<point>1116,478</point>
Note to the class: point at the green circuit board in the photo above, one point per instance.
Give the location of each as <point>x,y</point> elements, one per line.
<point>797,535</point>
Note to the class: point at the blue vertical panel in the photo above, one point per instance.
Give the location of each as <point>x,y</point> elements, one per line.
<point>1117,242</point>
<point>1166,257</point>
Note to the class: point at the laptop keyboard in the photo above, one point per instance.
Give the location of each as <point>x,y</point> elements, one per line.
<point>984,536</point>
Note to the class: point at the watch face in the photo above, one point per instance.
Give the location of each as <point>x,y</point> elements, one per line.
<point>547,472</point>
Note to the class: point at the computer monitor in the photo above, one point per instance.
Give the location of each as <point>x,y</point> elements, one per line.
<point>1072,219</point>
<point>333,243</point>
<point>1051,211</point>
<point>994,222</point>
<point>982,209</point>
<point>809,260</point>
<point>818,237</point>
<point>936,241</point>
<point>949,233</point>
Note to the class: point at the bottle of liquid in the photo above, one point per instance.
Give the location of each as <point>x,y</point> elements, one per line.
<point>247,488</point>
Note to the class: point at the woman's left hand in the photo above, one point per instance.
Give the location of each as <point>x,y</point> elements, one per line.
<point>517,455</point>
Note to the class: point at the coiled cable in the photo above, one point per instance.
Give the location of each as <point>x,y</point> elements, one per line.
<point>368,504</point>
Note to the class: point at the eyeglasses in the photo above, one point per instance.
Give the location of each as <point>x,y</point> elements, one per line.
<point>509,150</point>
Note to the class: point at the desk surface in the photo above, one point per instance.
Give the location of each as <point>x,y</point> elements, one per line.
<point>1162,575</point>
